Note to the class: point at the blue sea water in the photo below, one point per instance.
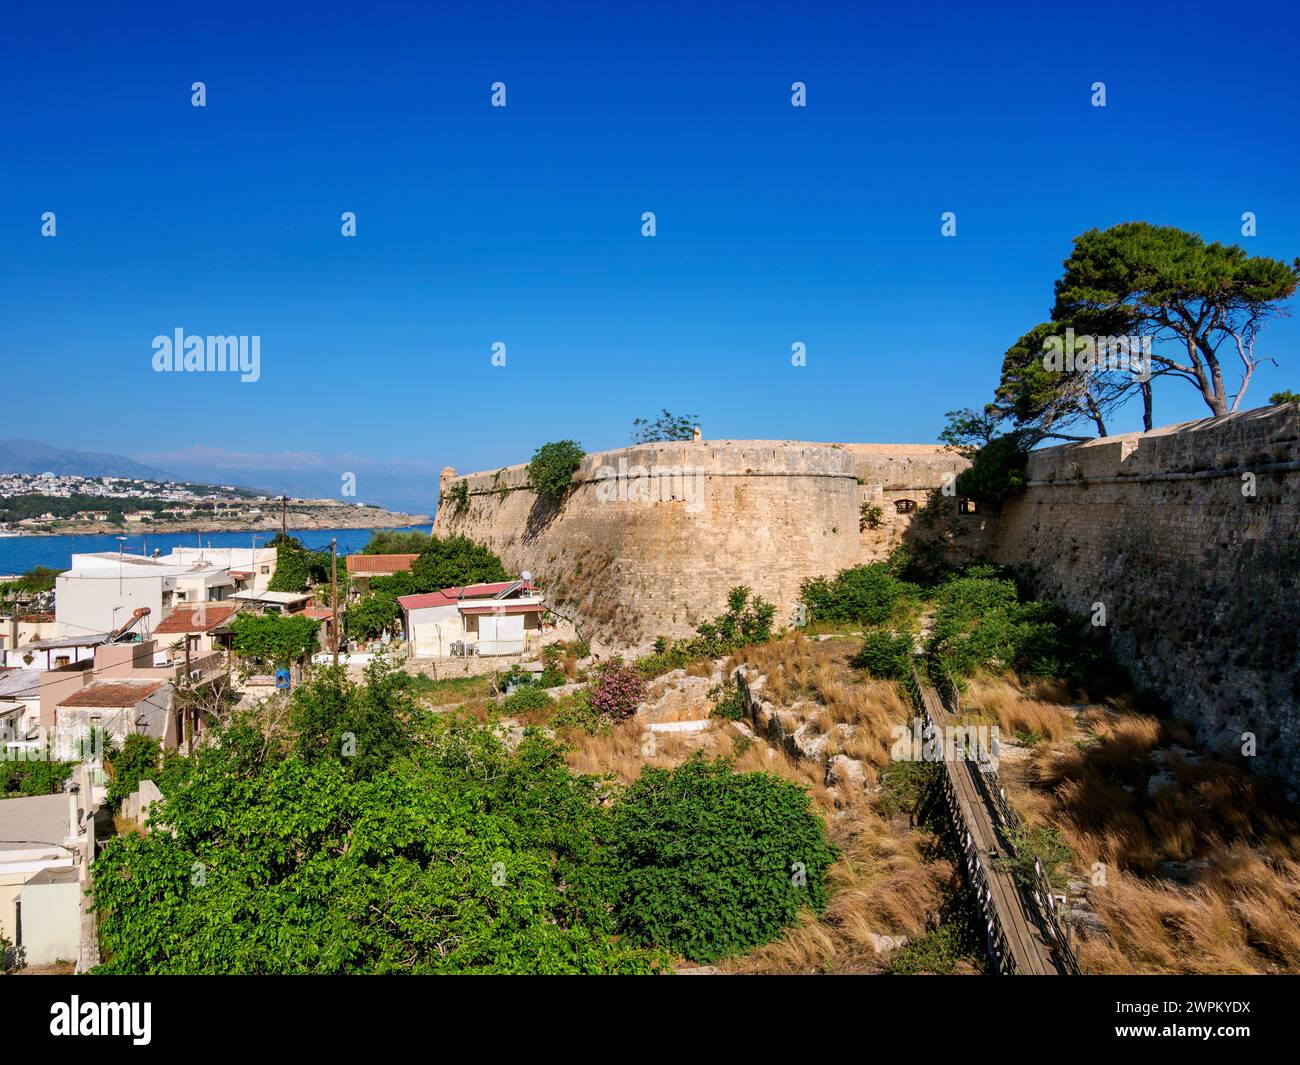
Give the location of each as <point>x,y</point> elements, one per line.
<point>18,554</point>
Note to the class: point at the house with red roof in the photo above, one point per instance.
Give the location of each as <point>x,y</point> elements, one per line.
<point>501,618</point>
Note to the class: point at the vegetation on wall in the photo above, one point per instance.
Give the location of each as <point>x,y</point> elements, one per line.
<point>667,426</point>
<point>550,473</point>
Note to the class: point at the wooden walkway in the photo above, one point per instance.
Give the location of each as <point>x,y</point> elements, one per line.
<point>1019,939</point>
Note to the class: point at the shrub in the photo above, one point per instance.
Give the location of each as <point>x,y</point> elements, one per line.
<point>709,862</point>
<point>905,785</point>
<point>275,639</point>
<point>136,761</point>
<point>371,616</point>
<point>885,654</point>
<point>310,869</point>
<point>729,702</point>
<point>575,711</point>
<point>550,473</point>
<point>459,496</point>
<point>525,698</point>
<point>997,469</point>
<point>870,516</point>
<point>1045,845</point>
<point>867,594</point>
<point>618,690</point>
<point>980,622</point>
<point>37,777</point>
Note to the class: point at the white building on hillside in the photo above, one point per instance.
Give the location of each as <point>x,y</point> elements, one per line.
<point>101,591</point>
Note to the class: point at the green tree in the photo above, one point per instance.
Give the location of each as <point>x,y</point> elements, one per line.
<point>292,565</point>
<point>667,426</point>
<point>395,542</point>
<point>550,473</point>
<point>362,726</point>
<point>274,639</point>
<point>1286,396</point>
<point>460,857</point>
<point>370,616</point>
<point>1198,303</point>
<point>453,561</point>
<point>709,862</point>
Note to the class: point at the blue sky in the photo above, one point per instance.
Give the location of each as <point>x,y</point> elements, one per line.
<point>522,224</point>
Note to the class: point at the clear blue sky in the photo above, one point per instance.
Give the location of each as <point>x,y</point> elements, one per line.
<point>522,224</point>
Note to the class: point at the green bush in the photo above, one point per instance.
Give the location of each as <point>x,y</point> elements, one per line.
<point>885,654</point>
<point>453,561</point>
<point>137,760</point>
<point>997,469</point>
<point>980,622</point>
<point>1046,846</point>
<point>524,698</point>
<point>459,857</point>
<point>709,862</point>
<point>728,702</point>
<point>550,473</point>
<point>37,777</point>
<point>371,616</point>
<point>868,595</point>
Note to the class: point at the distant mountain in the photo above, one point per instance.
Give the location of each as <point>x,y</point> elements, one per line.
<point>404,485</point>
<point>29,456</point>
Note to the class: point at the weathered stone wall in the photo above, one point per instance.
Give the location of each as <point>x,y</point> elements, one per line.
<point>1198,577</point>
<point>638,557</point>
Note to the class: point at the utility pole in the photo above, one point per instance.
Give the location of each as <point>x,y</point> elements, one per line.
<point>284,516</point>
<point>334,595</point>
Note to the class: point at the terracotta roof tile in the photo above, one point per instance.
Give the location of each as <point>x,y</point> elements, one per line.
<point>379,565</point>
<point>195,617</point>
<point>112,693</point>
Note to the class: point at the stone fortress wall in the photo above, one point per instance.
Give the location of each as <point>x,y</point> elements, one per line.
<point>1189,537</point>
<point>641,558</point>
<point>1198,579</point>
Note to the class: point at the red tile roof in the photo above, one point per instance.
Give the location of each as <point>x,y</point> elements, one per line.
<point>112,693</point>
<point>195,617</point>
<point>379,565</point>
<point>320,613</point>
<point>422,602</point>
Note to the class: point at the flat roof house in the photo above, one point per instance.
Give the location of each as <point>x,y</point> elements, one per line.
<point>484,619</point>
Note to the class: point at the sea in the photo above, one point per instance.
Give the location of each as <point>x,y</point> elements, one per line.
<point>18,554</point>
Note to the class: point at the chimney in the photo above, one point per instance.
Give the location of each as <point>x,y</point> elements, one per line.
<point>695,435</point>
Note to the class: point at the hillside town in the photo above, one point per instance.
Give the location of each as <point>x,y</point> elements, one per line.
<point>50,504</point>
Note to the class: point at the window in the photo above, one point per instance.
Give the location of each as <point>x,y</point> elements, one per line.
<point>967,506</point>
<point>905,506</point>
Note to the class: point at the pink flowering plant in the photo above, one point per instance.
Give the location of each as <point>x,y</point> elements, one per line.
<point>617,691</point>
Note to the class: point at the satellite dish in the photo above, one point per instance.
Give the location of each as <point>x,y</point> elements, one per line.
<point>526,575</point>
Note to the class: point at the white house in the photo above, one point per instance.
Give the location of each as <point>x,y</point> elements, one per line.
<point>485,619</point>
<point>101,590</point>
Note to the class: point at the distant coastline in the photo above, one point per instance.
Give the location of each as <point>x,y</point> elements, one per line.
<point>340,518</point>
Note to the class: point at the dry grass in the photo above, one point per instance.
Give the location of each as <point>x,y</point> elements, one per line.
<point>1015,712</point>
<point>1200,860</point>
<point>879,887</point>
